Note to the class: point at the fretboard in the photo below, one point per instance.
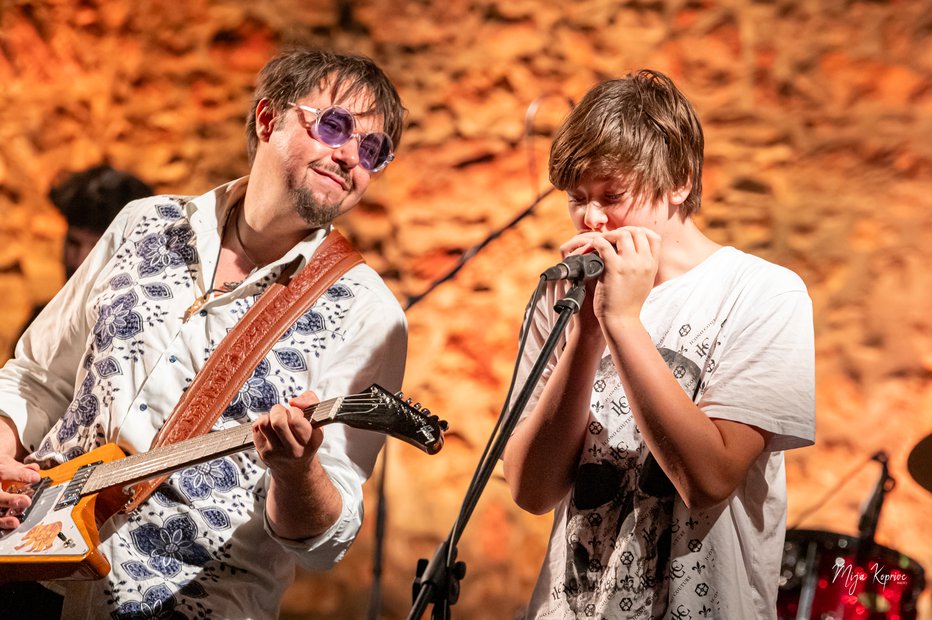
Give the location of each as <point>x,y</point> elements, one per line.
<point>166,459</point>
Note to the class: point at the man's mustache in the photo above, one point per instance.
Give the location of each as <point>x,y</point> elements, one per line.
<point>337,172</point>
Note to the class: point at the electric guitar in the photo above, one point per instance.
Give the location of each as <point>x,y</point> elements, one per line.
<point>58,534</point>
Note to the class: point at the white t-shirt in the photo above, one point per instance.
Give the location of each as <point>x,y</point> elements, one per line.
<point>737,333</point>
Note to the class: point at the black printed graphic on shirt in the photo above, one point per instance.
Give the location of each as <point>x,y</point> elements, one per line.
<point>618,538</point>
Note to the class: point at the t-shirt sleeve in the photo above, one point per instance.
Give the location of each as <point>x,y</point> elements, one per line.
<point>765,368</point>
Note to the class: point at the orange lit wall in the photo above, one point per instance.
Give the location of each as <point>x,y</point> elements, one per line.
<point>818,120</point>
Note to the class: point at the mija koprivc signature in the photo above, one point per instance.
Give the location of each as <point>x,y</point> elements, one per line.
<point>852,577</point>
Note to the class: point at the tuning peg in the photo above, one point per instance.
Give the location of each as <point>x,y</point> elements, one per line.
<point>408,402</point>
<point>399,394</point>
<point>425,411</point>
<point>417,406</point>
<point>444,426</point>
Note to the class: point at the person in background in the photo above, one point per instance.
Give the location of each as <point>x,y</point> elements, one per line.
<point>90,200</point>
<point>656,435</point>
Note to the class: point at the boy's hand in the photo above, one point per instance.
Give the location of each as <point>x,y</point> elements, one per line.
<point>631,255</point>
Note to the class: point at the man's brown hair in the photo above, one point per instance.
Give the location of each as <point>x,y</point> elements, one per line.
<point>292,75</point>
<point>640,127</point>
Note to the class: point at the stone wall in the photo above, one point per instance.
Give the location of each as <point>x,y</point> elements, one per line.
<point>817,117</point>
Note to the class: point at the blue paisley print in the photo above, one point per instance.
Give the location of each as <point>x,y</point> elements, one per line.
<point>257,394</point>
<point>172,248</point>
<point>82,411</point>
<point>121,280</point>
<point>311,322</point>
<point>171,545</point>
<point>108,367</point>
<point>199,481</point>
<point>117,320</point>
<point>169,212</point>
<point>157,603</point>
<point>157,291</point>
<point>291,359</point>
<point>339,291</point>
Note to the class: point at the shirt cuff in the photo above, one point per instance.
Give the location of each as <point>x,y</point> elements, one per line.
<point>321,552</point>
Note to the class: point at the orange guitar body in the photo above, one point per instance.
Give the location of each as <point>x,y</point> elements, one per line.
<point>58,539</point>
<point>59,534</point>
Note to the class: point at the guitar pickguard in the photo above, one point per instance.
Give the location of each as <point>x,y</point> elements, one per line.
<point>48,530</point>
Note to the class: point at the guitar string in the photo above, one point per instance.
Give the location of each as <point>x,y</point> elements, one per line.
<point>143,463</point>
<point>212,441</point>
<point>103,476</point>
<point>116,471</point>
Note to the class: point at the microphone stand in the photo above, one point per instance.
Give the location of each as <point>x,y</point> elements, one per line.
<point>867,527</point>
<point>375,597</point>
<point>437,581</point>
<point>468,254</point>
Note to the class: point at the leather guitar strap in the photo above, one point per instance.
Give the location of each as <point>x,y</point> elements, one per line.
<point>238,354</point>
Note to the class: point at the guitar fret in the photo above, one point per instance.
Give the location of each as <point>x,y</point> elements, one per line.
<point>168,458</point>
<point>172,457</point>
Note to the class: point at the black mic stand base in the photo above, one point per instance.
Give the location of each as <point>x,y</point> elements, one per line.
<point>438,581</point>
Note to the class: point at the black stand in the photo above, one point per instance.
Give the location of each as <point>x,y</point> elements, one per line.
<point>437,581</point>
<point>375,601</point>
<point>867,525</point>
<point>867,547</point>
<point>468,254</point>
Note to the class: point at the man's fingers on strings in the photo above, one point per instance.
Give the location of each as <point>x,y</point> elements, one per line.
<point>9,523</point>
<point>304,400</point>
<point>300,426</point>
<point>281,423</point>
<point>13,471</point>
<point>26,473</point>
<point>14,501</point>
<point>265,436</point>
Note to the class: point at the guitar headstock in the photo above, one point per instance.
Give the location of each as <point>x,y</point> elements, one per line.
<point>377,409</point>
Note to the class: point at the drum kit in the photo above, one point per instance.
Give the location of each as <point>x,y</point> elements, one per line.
<point>828,576</point>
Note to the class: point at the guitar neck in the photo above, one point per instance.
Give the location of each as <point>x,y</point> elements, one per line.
<point>170,458</point>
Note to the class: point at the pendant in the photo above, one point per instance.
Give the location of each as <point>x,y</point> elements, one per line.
<point>197,305</point>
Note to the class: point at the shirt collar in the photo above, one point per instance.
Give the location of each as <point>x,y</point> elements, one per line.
<point>207,213</point>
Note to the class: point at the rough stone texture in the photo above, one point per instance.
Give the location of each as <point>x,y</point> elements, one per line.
<point>817,118</point>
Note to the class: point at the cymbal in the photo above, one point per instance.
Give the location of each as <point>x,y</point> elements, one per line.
<point>920,463</point>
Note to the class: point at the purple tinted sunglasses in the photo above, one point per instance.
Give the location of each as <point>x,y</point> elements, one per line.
<point>335,126</point>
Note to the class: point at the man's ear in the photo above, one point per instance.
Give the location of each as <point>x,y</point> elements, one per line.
<point>265,119</point>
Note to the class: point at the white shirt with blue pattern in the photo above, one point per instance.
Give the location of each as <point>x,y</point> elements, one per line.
<point>109,357</point>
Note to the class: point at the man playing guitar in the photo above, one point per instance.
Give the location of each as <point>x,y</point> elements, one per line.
<point>112,353</point>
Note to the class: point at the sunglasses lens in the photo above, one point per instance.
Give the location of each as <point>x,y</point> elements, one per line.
<point>335,126</point>
<point>375,151</point>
